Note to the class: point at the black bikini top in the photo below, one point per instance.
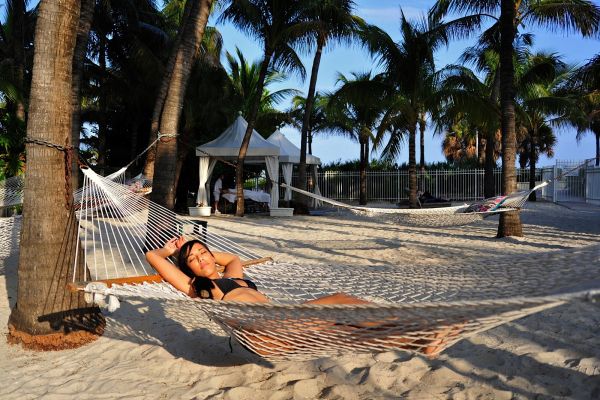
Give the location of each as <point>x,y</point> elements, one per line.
<point>203,286</point>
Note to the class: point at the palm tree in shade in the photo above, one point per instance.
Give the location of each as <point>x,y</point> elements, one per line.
<point>409,68</point>
<point>357,110</point>
<point>46,315</point>
<point>581,16</point>
<point>278,26</point>
<point>330,21</point>
<point>185,53</point>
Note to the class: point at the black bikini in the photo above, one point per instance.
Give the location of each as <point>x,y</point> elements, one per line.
<point>203,286</point>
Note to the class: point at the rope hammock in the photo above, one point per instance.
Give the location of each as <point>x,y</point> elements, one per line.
<point>11,191</point>
<point>413,309</point>
<point>433,217</point>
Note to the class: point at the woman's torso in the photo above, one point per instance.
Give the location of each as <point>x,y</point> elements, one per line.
<point>235,289</point>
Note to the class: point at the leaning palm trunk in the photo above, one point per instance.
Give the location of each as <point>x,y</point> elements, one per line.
<point>239,168</point>
<point>306,128</point>
<point>85,22</point>
<point>163,90</point>
<point>46,315</point>
<point>510,222</point>
<point>164,185</point>
<point>18,27</point>
<point>422,126</point>
<point>412,168</point>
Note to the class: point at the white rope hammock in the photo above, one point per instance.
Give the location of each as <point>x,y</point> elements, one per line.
<point>11,191</point>
<point>429,217</point>
<point>413,309</point>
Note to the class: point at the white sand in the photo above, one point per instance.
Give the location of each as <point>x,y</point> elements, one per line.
<point>146,355</point>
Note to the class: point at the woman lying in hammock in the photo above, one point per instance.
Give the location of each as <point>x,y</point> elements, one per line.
<point>198,276</point>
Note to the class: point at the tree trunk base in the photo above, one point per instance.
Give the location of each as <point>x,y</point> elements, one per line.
<point>510,224</point>
<point>73,335</point>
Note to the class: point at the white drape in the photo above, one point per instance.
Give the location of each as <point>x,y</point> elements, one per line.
<point>273,171</point>
<point>287,177</point>
<point>317,191</point>
<point>205,169</point>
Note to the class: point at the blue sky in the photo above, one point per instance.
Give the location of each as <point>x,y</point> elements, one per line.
<point>386,15</point>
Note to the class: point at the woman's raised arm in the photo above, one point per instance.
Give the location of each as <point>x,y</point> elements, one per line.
<point>231,263</point>
<point>169,272</point>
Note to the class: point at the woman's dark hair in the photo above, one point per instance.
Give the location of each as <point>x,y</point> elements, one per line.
<point>202,285</point>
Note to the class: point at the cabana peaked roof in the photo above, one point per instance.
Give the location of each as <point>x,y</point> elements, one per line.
<point>229,142</point>
<point>288,152</point>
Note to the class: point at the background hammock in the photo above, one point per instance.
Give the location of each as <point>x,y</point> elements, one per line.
<point>430,217</point>
<point>413,308</point>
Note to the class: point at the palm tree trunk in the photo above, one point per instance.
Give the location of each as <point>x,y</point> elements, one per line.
<point>164,185</point>
<point>46,315</point>
<point>510,222</point>
<point>532,162</point>
<point>310,101</point>
<point>422,126</point>
<point>489,183</point>
<point>18,26</point>
<point>412,168</point>
<point>103,98</point>
<point>239,168</point>
<point>364,162</point>
<point>148,170</point>
<point>85,22</point>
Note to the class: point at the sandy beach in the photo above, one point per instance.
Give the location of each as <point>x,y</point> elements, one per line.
<point>147,354</point>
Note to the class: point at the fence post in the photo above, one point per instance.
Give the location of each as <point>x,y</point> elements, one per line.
<point>554,173</point>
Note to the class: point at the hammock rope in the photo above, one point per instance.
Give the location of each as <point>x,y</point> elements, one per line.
<point>413,309</point>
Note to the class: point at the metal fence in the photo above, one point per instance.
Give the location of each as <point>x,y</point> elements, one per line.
<point>578,181</point>
<point>392,186</point>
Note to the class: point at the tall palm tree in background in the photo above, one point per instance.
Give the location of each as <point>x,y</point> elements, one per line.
<point>318,117</point>
<point>331,20</point>
<point>410,69</point>
<point>244,78</point>
<point>538,107</point>
<point>581,16</point>
<point>356,109</point>
<point>277,25</point>
<point>164,185</point>
<point>585,85</point>
<point>46,315</point>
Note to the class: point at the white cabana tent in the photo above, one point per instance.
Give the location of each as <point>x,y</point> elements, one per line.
<point>227,146</point>
<point>289,155</point>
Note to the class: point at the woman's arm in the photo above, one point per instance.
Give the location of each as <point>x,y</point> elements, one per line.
<point>169,272</point>
<point>231,263</point>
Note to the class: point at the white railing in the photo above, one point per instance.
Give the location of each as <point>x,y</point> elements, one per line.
<point>392,186</point>
<point>574,184</point>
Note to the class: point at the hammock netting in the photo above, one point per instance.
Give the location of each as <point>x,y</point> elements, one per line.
<point>410,308</point>
<point>11,191</point>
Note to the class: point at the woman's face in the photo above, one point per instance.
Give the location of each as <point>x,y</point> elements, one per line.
<point>200,261</point>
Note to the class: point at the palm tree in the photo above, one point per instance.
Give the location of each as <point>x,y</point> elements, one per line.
<point>539,106</point>
<point>586,86</point>
<point>318,117</point>
<point>244,78</point>
<point>277,25</point>
<point>45,312</point>
<point>331,20</point>
<point>570,15</point>
<point>357,109</point>
<point>164,185</point>
<point>410,69</point>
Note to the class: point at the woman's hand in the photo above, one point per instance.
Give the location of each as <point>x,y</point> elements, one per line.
<point>170,247</point>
